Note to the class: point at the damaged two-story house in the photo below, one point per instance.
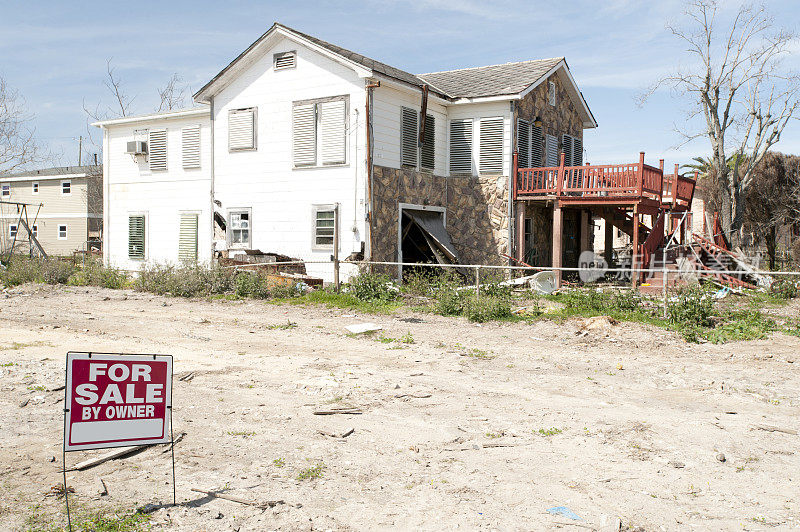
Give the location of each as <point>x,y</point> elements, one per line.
<point>299,143</point>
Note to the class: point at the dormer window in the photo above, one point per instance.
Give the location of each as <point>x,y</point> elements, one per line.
<point>285,60</point>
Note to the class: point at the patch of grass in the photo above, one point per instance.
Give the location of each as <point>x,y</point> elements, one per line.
<point>312,472</point>
<point>7,364</point>
<point>474,352</point>
<point>242,433</point>
<point>85,520</point>
<point>38,388</point>
<point>495,435</point>
<point>282,326</point>
<point>407,338</point>
<point>552,431</point>
<point>279,462</point>
<point>343,301</point>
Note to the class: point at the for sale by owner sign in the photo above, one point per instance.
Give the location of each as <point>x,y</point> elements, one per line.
<point>117,400</point>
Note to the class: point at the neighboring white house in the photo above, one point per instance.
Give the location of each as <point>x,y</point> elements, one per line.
<point>284,138</point>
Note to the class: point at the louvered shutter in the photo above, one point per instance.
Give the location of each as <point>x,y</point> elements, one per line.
<point>190,140</point>
<point>523,143</point>
<point>536,146</point>
<point>461,146</point>
<point>332,126</point>
<point>158,150</point>
<point>566,147</point>
<point>577,152</point>
<point>428,157</point>
<point>136,237</point>
<point>491,148</point>
<point>551,150</point>
<point>304,135</point>
<point>242,129</point>
<point>285,60</point>
<point>409,134</point>
<point>187,238</point>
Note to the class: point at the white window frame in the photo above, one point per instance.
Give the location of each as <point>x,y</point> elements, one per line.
<point>196,214</point>
<point>254,147</point>
<point>12,230</point>
<point>35,188</point>
<point>316,102</point>
<point>150,133</point>
<point>229,228</point>
<point>186,134</point>
<point>146,216</point>
<point>472,147</point>
<point>35,230</point>
<point>480,122</point>
<point>315,209</point>
<point>66,233</point>
<point>67,182</point>
<point>5,190</point>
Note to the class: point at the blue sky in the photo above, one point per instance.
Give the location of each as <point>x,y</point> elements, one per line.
<point>55,54</point>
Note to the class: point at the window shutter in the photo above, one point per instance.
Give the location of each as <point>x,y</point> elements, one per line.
<point>523,143</point>
<point>242,129</point>
<point>428,157</point>
<point>566,147</point>
<point>536,146</point>
<point>577,152</point>
<point>187,239</point>
<point>158,150</point>
<point>190,138</point>
<point>491,149</point>
<point>551,150</point>
<point>408,132</point>
<point>304,135</point>
<point>332,126</point>
<point>136,237</point>
<point>461,146</point>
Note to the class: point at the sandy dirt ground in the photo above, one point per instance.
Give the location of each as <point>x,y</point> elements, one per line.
<point>469,427</point>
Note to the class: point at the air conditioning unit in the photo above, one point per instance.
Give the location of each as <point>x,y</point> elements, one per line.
<point>137,147</point>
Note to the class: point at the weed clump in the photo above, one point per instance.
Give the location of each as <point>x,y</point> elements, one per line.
<point>372,287</point>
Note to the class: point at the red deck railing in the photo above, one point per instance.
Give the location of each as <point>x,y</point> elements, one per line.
<point>632,182</point>
<point>678,190</point>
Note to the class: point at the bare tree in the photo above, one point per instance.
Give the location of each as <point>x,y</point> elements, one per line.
<point>173,94</point>
<point>18,146</point>
<point>738,87</point>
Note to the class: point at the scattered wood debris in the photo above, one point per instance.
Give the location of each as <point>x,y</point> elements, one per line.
<point>340,435</point>
<point>342,410</point>
<point>117,453</point>
<point>188,377</point>
<point>413,395</point>
<point>773,428</point>
<point>218,495</point>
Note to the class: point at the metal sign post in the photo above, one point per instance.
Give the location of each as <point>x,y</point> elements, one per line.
<point>116,400</point>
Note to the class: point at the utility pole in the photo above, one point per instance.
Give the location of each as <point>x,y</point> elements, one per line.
<point>80,149</point>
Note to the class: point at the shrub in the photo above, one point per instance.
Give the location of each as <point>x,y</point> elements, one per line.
<point>449,303</point>
<point>54,271</point>
<point>692,306</point>
<point>154,278</point>
<point>428,283</point>
<point>250,284</point>
<point>784,289</point>
<point>372,287</point>
<point>485,307</point>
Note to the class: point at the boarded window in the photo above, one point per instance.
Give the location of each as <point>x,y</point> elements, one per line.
<point>285,60</point>
<point>408,136</point>
<point>136,237</point>
<point>491,148</point>
<point>551,150</point>
<point>537,139</point>
<point>461,146</point>
<point>158,150</point>
<point>577,152</point>
<point>239,228</point>
<point>332,131</point>
<point>428,156</point>
<point>523,143</point>
<point>566,147</point>
<point>190,146</point>
<point>324,226</point>
<point>551,93</point>
<point>242,129</point>
<point>187,239</point>
<point>304,135</point>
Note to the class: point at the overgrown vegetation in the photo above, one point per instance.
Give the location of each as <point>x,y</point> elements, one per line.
<point>86,520</point>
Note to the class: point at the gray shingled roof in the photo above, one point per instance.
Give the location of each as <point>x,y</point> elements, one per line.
<point>495,80</point>
<point>58,170</point>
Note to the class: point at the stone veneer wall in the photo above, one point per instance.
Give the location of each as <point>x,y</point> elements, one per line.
<point>477,217</point>
<point>559,120</point>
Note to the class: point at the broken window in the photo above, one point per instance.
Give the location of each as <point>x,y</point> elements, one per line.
<point>239,228</point>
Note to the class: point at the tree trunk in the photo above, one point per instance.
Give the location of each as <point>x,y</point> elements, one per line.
<point>771,241</point>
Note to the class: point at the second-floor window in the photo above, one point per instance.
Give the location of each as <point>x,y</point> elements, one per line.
<point>66,188</point>
<point>491,146</point>
<point>411,153</point>
<point>319,132</point>
<point>35,188</point>
<point>6,189</point>
<point>242,129</point>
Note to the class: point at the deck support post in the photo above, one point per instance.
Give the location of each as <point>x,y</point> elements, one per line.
<point>585,221</point>
<point>635,250</point>
<point>558,224</point>
<point>520,227</point>
<point>609,251</point>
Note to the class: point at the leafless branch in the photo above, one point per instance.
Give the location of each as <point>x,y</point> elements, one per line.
<point>173,94</point>
<point>18,146</point>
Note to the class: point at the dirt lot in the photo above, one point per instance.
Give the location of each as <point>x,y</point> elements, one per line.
<point>470,426</point>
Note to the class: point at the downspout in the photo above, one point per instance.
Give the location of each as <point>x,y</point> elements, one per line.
<point>211,184</point>
<point>511,180</point>
<point>370,198</point>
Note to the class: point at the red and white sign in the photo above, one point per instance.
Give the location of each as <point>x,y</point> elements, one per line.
<point>117,400</point>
